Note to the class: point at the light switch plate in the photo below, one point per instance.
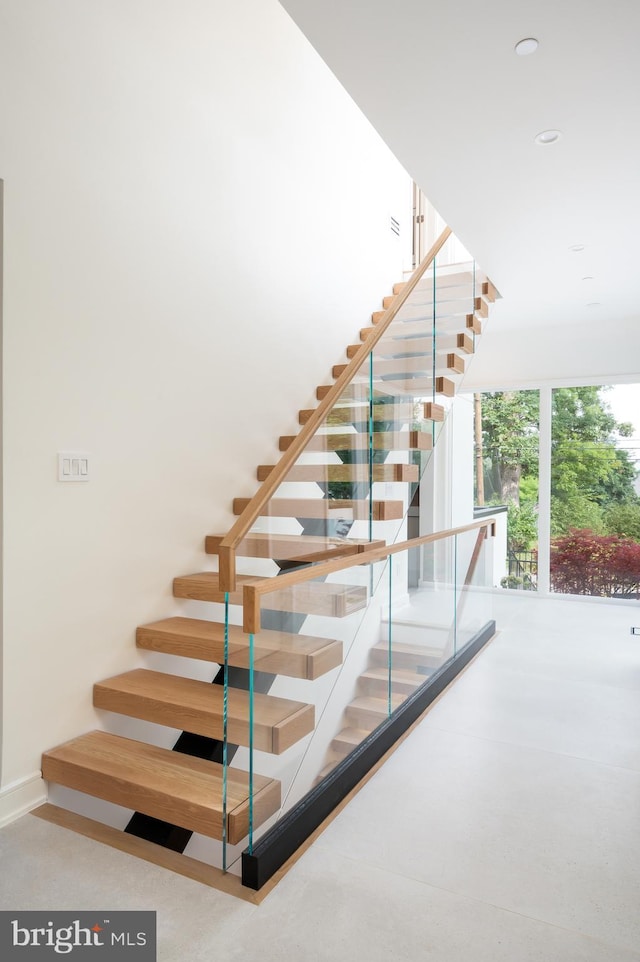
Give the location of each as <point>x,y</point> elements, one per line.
<point>73,466</point>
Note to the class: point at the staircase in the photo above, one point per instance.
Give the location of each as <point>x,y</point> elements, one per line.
<point>379,689</point>
<point>378,426</point>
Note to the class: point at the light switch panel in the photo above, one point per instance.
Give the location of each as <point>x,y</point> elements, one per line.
<point>73,466</point>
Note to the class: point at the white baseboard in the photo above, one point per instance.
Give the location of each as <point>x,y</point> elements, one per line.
<point>20,797</point>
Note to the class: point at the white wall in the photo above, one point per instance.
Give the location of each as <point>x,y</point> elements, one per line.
<point>196,224</point>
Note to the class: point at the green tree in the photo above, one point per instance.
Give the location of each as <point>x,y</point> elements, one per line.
<point>510,441</point>
<point>522,526</point>
<point>575,511</point>
<point>588,471</point>
<point>623,520</point>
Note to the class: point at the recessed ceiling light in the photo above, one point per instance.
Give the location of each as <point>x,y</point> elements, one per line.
<point>577,248</point>
<point>589,277</point>
<point>593,304</point>
<point>548,137</point>
<point>524,47</point>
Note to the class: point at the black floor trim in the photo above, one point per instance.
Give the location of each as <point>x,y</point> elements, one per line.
<point>281,841</point>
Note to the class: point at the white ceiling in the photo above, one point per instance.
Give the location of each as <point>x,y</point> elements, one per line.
<point>443,86</point>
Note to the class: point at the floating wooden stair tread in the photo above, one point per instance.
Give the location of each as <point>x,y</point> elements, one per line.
<point>410,657</point>
<point>453,288</point>
<point>462,275</point>
<point>354,415</point>
<point>450,365</point>
<point>197,706</point>
<point>447,286</point>
<point>368,712</point>
<point>348,739</point>
<point>327,508</point>
<point>434,412</point>
<point>306,549</point>
<point>421,340</point>
<point>276,652</point>
<point>310,598</point>
<point>419,345</point>
<point>204,586</point>
<point>171,786</point>
<point>344,472</point>
<point>445,338</point>
<point>418,357</point>
<point>325,771</point>
<point>382,441</point>
<point>403,681</point>
<point>417,387</point>
<point>422,310</point>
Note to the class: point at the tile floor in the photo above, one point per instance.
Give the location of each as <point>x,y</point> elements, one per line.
<point>506,828</point>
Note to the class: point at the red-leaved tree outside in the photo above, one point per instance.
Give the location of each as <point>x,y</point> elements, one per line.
<point>584,563</point>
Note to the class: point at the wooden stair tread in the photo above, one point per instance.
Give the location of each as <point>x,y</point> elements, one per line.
<point>420,375</point>
<point>313,597</point>
<point>406,656</point>
<point>325,771</point>
<point>171,786</point>
<point>407,362</point>
<point>447,313</point>
<point>418,387</point>
<point>294,547</point>
<point>401,349</point>
<point>344,472</point>
<point>413,356</point>
<point>463,282</point>
<point>373,704</point>
<point>397,674</point>
<point>367,711</point>
<point>382,441</point>
<point>348,739</point>
<point>456,274</point>
<point>422,339</point>
<point>402,413</point>
<point>204,586</point>
<point>197,706</point>
<point>403,681</point>
<point>354,414</point>
<point>276,652</point>
<point>328,508</point>
<point>416,384</point>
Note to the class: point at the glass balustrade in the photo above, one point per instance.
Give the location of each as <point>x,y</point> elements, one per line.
<point>340,628</point>
<point>346,481</point>
<point>371,632</point>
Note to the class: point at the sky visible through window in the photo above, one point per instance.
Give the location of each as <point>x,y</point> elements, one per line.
<point>624,401</point>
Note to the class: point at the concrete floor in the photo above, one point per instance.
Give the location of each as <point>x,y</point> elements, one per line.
<point>506,828</point>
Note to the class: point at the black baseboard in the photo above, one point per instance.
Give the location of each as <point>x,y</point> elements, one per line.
<point>280,842</point>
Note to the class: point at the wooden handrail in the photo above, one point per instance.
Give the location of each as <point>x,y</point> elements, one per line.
<point>253,593</point>
<point>230,542</point>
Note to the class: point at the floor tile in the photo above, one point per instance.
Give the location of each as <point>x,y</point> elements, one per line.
<point>551,837</point>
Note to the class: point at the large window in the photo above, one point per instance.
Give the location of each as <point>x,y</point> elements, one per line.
<point>595,508</point>
<point>578,532</point>
<point>506,473</point>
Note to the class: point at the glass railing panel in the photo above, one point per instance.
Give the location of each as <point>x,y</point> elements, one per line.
<point>319,625</point>
<point>358,440</point>
<point>424,615</point>
<point>355,644</point>
<point>322,507</point>
<point>361,462</point>
<point>474,573</point>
